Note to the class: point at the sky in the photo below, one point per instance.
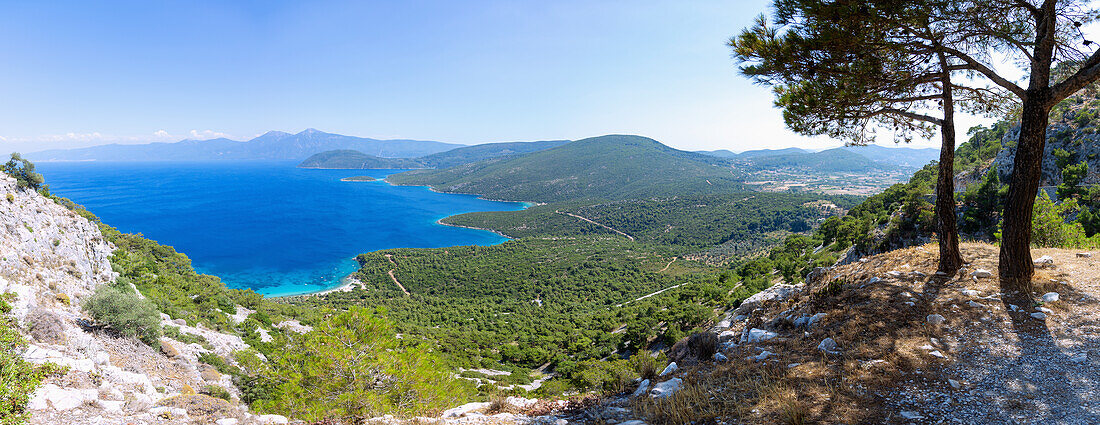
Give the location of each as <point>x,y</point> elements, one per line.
<point>76,74</point>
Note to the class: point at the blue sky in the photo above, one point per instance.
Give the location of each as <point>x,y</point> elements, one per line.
<point>84,73</point>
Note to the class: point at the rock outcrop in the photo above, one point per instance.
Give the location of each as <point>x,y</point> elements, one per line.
<point>52,260</point>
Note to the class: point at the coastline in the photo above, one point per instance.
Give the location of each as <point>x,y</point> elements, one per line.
<point>526,204</point>
<point>347,283</point>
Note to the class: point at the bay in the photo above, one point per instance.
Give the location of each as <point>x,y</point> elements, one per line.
<point>268,226</point>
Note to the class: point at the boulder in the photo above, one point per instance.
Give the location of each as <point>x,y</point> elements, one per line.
<point>670,369</point>
<point>778,292</point>
<point>643,387</point>
<point>1039,315</point>
<point>829,346</point>
<point>665,389</point>
<point>758,335</point>
<point>1084,255</point>
<point>1050,297</point>
<point>1044,262</point>
<point>719,357</point>
<point>464,410</point>
<point>935,319</point>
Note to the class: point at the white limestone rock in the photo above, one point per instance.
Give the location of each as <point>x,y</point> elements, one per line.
<point>665,389</point>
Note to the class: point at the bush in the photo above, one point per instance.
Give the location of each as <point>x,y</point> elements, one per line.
<point>216,392</point>
<point>126,313</point>
<point>353,367</point>
<point>44,325</point>
<point>18,378</point>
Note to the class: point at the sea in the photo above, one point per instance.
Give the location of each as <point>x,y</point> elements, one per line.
<point>268,226</point>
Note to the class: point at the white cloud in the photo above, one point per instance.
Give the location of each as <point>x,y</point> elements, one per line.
<point>162,134</point>
<point>207,134</point>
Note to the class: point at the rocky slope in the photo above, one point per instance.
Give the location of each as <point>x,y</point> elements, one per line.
<point>887,340</point>
<point>52,260</point>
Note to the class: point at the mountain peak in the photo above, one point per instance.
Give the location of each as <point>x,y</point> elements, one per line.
<point>310,131</point>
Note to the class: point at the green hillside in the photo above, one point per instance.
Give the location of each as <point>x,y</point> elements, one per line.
<point>349,159</point>
<point>832,160</point>
<point>607,167</point>
<point>688,222</point>
<point>485,151</point>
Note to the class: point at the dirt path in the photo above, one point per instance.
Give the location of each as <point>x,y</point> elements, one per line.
<point>598,224</point>
<point>392,276</point>
<point>668,265</point>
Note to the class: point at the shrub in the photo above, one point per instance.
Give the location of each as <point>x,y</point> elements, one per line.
<point>44,325</point>
<point>216,392</point>
<point>126,313</point>
<point>353,367</point>
<point>11,198</point>
<point>18,378</point>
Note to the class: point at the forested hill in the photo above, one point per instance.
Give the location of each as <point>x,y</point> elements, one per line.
<point>351,159</point>
<point>608,167</point>
<point>832,160</point>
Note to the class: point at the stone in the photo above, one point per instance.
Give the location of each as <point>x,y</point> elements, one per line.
<point>273,419</point>
<point>1044,262</point>
<point>813,320</point>
<point>728,336</point>
<point>1045,310</point>
<point>760,357</point>
<point>1050,297</point>
<point>226,421</point>
<point>670,369</point>
<point>1084,255</point>
<point>719,357</point>
<point>981,273</point>
<point>60,398</point>
<point>911,415</point>
<point>970,292</point>
<point>953,383</point>
<point>456,412</point>
<point>643,387</point>
<point>665,389</point>
<point>935,319</point>
<point>1039,315</point>
<point>102,358</point>
<point>973,304</point>
<point>894,274</point>
<point>828,345</point>
<point>112,406</point>
<point>758,335</point>
<point>632,422</point>
<point>937,353</point>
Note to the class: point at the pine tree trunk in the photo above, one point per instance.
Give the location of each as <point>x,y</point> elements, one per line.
<point>950,257</point>
<point>1016,267</point>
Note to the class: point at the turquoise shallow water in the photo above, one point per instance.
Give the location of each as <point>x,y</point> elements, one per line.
<point>268,226</point>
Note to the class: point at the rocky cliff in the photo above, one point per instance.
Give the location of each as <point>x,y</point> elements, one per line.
<point>52,260</point>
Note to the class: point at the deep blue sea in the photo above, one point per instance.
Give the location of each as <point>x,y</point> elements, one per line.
<point>268,226</point>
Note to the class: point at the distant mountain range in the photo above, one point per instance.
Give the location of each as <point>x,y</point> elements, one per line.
<point>350,159</point>
<point>273,145</point>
